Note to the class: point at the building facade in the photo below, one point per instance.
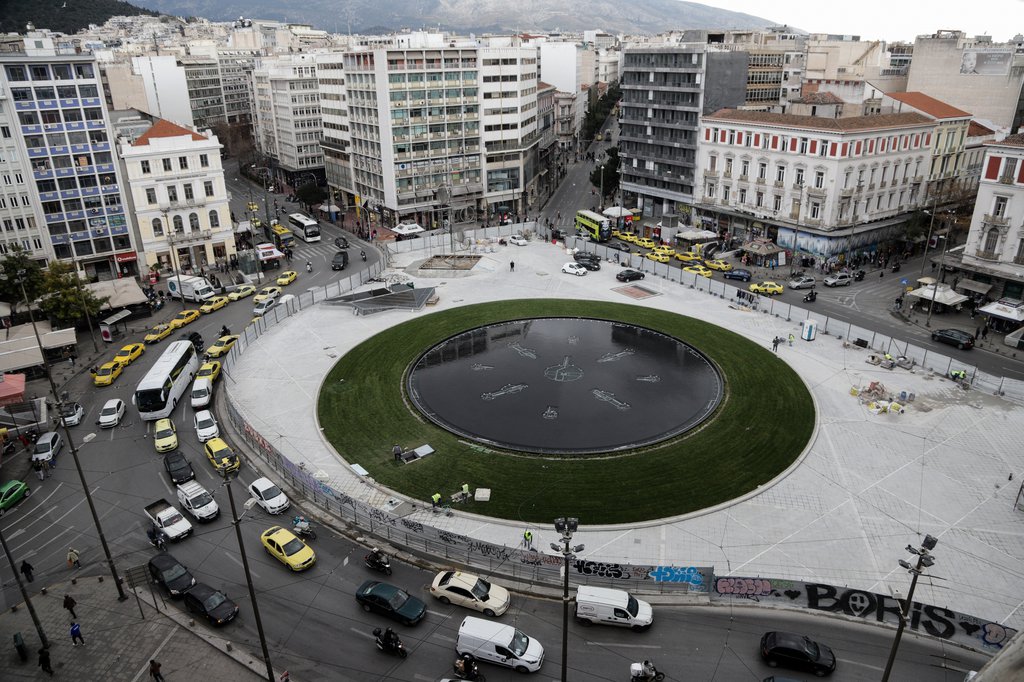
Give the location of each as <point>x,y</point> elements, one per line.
<point>829,186</point>
<point>205,90</point>
<point>21,221</point>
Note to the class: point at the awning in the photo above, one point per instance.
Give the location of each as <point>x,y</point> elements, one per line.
<point>12,389</point>
<point>616,212</point>
<point>1005,308</point>
<point>411,228</point>
<point>940,293</point>
<point>243,227</point>
<point>119,293</point>
<point>971,285</point>
<point>762,247</point>
<point>330,208</point>
<point>19,349</point>
<point>925,281</point>
<point>268,252</point>
<point>696,235</point>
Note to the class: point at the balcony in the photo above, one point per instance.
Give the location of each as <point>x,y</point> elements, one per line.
<point>988,255</point>
<point>710,174</point>
<point>1000,221</point>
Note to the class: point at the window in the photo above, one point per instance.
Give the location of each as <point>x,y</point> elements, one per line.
<point>991,240</point>
<point>145,167</point>
<point>743,196</point>
<point>777,203</point>
<point>759,199</point>
<point>815,210</point>
<point>179,225</point>
<point>819,179</point>
<point>728,166</point>
<point>744,169</point>
<point>193,221</point>
<point>183,162</point>
<point>762,170</point>
<point>158,228</point>
<point>172,193</point>
<point>208,188</point>
<point>999,207</point>
<point>150,196</point>
<point>189,195</point>
<point>204,161</point>
<point>725,193</point>
<point>711,191</point>
<point>167,165</point>
<point>800,177</point>
<point>214,219</point>
<point>780,174</point>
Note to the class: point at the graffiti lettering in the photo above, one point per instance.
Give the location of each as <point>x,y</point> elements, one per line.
<point>750,587</point>
<point>601,569</point>
<point>499,552</point>
<point>451,538</point>
<point>678,574</point>
<point>382,517</point>
<point>414,526</point>
<point>531,558</point>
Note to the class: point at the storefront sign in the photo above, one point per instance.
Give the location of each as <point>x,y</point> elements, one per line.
<point>129,257</point>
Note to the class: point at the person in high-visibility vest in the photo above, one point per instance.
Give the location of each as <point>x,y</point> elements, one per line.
<point>528,539</point>
<point>436,499</point>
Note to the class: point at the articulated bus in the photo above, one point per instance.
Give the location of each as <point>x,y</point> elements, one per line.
<point>597,227</point>
<point>304,227</point>
<point>282,237</point>
<point>166,381</point>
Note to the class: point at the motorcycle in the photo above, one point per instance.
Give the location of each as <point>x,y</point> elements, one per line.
<point>467,669</point>
<point>378,561</point>
<point>811,296</point>
<point>8,448</point>
<point>157,538</point>
<point>362,254</point>
<point>645,672</point>
<point>301,527</point>
<point>858,276</point>
<point>389,642</point>
<point>895,267</point>
<point>309,266</point>
<point>224,331</point>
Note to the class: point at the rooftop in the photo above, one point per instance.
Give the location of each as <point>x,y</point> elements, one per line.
<point>164,128</point>
<point>839,125</point>
<point>929,105</point>
<point>1011,141</point>
<point>821,98</point>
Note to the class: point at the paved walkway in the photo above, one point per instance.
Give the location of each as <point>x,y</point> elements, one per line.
<point>119,640</point>
<point>868,486</point>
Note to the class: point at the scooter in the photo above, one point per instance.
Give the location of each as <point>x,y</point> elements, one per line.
<point>858,276</point>
<point>895,267</point>
<point>467,669</point>
<point>811,296</point>
<point>392,644</point>
<point>645,672</point>
<point>301,527</point>
<point>8,448</point>
<point>378,561</point>
<point>309,266</point>
<point>362,254</point>
<point>157,538</point>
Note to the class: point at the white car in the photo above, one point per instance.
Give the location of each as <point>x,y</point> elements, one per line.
<point>840,279</point>
<point>111,414</point>
<point>206,425</point>
<point>473,592</point>
<point>518,240</point>
<point>802,282</point>
<point>268,496</point>
<point>574,269</point>
<point>71,414</point>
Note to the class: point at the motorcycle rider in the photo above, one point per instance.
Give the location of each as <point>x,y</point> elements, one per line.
<point>466,669</point>
<point>224,331</point>
<point>309,266</point>
<point>157,538</point>
<point>362,254</point>
<point>375,558</point>
<point>300,524</point>
<point>390,639</point>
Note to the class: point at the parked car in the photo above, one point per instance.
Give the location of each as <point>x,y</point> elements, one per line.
<point>390,601</point>
<point>518,240</point>
<point>590,263</point>
<point>791,650</point>
<point>839,279</point>
<point>738,273</point>
<point>111,414</point>
<point>954,337</point>
<point>628,275</point>
<point>574,269</point>
<point>170,574</point>
<point>802,282</point>
<point>11,493</point>
<point>47,447</point>
<point>211,604</point>
<point>72,414</point>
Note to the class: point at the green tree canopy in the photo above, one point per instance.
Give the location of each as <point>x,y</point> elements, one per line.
<point>611,174</point>
<point>65,299</point>
<point>18,265</point>
<point>310,194</point>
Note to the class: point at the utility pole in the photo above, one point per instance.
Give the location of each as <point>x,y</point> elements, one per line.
<point>924,560</point>
<point>24,595</point>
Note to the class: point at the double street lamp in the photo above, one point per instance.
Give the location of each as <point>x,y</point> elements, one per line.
<point>566,527</point>
<point>924,560</point>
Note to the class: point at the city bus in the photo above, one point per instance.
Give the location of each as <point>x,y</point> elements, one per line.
<point>282,237</point>
<point>304,227</point>
<point>597,227</point>
<point>166,381</point>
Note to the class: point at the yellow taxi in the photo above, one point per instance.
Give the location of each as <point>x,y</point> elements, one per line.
<point>221,456</point>
<point>287,277</point>
<point>165,438</point>
<point>158,333</point>
<point>665,248</point>
<point>658,257</point>
<point>628,237</point>
<point>768,288</point>
<point>265,293</point>
<point>646,242</point>
<point>106,373</point>
<point>241,292</point>
<point>215,303</point>
<point>688,257</point>
<point>698,270</point>
<point>616,234</point>
<point>718,264</point>
<point>284,546</point>
<point>221,346</point>
<point>183,318</point>
<point>209,370</point>
<point>129,354</point>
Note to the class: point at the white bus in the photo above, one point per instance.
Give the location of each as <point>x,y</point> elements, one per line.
<point>167,380</point>
<point>304,227</point>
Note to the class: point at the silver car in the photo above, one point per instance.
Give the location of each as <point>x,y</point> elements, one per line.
<point>802,282</point>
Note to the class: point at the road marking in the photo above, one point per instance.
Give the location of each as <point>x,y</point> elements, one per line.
<point>232,557</point>
<point>860,663</point>
<point>145,666</point>
<point>361,633</point>
<point>623,645</point>
<point>446,638</point>
<point>88,437</point>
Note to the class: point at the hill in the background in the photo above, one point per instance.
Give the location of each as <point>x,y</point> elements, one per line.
<point>66,16</point>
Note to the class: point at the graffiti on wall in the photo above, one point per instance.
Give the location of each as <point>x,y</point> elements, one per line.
<point>923,619</point>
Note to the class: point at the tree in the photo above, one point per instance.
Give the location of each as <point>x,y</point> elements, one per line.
<point>11,268</point>
<point>64,295</point>
<point>311,193</point>
<point>611,174</point>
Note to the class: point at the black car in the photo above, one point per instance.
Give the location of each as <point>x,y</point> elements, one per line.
<point>341,242</point>
<point>628,275</point>
<point>195,338</point>
<point>211,604</point>
<point>618,246</point>
<point>954,337</point>
<point>589,263</point>
<point>390,601</point>
<point>740,274</point>
<point>791,650</point>
<point>170,574</point>
<point>178,467</point>
<point>340,261</point>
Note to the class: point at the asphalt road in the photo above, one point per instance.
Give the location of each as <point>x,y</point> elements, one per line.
<point>314,626</point>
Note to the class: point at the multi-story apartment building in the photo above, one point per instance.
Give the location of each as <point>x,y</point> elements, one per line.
<point>828,185</point>
<point>288,122</point>
<point>205,90</point>
<point>21,221</point>
<point>665,89</point>
<point>994,252</point>
<point>64,132</point>
<point>155,84</point>
<point>566,131</point>
<point>946,181</point>
<point>415,125</point>
<point>337,140</point>
<point>179,197</point>
<point>236,68</point>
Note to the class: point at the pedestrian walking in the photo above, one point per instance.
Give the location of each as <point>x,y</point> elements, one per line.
<point>775,344</point>
<point>791,337</point>
<point>511,266</point>
<point>47,469</point>
<point>154,671</point>
<point>76,634</point>
<point>73,559</point>
<point>70,604</point>
<point>527,539</point>
<point>44,661</point>
<point>37,466</point>
<point>984,332</point>
<point>397,452</point>
<point>26,570</point>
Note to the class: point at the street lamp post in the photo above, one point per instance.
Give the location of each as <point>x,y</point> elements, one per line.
<point>796,232</point>
<point>928,241</point>
<point>71,443</point>
<point>601,202</point>
<point>935,291</point>
<point>24,595</point>
<point>175,258</point>
<point>924,560</point>
<point>566,526</point>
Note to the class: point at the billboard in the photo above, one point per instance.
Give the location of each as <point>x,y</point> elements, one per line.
<point>986,62</point>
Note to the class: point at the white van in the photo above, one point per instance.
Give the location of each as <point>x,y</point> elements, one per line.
<point>605,606</point>
<point>202,391</point>
<point>493,642</point>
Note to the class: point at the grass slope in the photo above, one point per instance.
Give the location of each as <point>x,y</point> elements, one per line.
<point>762,425</point>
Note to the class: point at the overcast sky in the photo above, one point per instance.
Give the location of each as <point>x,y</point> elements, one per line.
<point>888,19</point>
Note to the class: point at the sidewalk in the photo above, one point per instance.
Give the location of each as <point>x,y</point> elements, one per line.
<point>119,642</point>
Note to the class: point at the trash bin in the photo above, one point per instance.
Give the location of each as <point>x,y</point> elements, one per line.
<point>808,329</point>
<point>19,646</point>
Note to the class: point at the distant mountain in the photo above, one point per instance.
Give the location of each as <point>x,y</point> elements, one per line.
<point>343,16</point>
<point>66,16</point>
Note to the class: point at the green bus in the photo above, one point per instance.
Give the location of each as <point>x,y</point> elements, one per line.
<point>595,226</point>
